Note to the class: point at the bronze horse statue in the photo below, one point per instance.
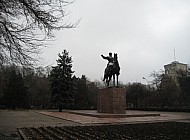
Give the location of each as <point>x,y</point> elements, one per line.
<point>113,70</point>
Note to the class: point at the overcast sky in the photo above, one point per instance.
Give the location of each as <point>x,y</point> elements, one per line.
<point>144,33</point>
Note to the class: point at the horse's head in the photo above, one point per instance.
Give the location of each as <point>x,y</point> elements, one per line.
<point>116,63</point>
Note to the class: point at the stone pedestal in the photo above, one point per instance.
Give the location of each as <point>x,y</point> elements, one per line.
<point>111,100</point>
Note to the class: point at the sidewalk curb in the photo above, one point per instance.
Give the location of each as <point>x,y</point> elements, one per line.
<point>22,135</point>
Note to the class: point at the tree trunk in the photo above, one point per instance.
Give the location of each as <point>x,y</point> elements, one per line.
<point>60,108</point>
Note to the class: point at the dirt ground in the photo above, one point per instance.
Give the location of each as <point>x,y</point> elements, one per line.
<point>140,131</point>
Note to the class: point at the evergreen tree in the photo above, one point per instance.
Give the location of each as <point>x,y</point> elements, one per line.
<point>62,85</point>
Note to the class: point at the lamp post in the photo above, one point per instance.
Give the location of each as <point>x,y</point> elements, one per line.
<point>147,83</point>
<point>148,90</point>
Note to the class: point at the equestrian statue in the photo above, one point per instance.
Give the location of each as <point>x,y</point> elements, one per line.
<point>112,69</point>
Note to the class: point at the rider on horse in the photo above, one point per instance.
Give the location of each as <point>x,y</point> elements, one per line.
<point>109,65</point>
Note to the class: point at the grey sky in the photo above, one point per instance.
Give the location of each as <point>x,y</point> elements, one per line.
<point>144,33</point>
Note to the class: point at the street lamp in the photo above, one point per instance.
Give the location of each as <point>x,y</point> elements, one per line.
<point>148,90</point>
<point>147,82</point>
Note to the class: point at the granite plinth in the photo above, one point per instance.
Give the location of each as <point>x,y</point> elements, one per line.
<point>111,100</point>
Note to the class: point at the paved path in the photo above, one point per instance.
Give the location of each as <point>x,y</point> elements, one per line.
<point>88,120</point>
<point>11,120</point>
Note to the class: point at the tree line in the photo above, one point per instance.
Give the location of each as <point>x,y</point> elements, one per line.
<point>58,87</point>
<point>25,26</point>
<point>49,87</point>
<point>163,92</point>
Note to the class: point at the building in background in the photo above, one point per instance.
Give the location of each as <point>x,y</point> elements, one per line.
<point>173,68</point>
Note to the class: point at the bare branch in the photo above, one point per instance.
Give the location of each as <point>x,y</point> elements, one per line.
<point>25,25</point>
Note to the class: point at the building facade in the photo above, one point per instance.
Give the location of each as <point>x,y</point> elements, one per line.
<point>173,68</point>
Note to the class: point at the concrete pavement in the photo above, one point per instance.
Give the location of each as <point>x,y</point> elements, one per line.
<point>11,120</point>
<point>141,116</point>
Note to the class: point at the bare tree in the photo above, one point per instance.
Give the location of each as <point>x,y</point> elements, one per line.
<point>25,25</point>
<point>157,77</point>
